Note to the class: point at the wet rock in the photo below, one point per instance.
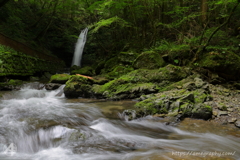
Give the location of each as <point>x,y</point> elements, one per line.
<point>128,114</point>
<point>52,86</point>
<point>76,136</point>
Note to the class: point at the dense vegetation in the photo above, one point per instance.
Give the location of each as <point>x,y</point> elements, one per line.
<point>182,29</point>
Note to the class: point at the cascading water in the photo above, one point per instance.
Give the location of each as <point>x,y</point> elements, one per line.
<point>79,48</point>
<point>43,125</point>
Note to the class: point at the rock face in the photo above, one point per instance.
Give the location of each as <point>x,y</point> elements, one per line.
<point>148,60</point>
<point>59,78</point>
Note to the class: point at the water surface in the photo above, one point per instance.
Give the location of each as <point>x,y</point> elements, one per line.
<point>44,125</point>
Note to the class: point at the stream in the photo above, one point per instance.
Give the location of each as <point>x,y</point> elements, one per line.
<point>44,125</point>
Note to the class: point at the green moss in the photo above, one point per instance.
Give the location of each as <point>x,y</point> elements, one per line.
<point>60,78</point>
<point>111,64</point>
<point>78,86</point>
<point>225,63</point>
<point>127,57</point>
<point>89,71</point>
<point>118,87</point>
<point>15,82</point>
<point>17,63</point>
<point>148,60</point>
<point>119,71</point>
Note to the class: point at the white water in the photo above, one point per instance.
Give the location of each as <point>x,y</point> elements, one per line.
<point>45,126</point>
<point>79,48</point>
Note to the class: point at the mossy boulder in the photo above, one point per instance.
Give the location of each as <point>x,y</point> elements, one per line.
<point>185,102</point>
<point>139,82</point>
<point>122,59</point>
<point>59,78</point>
<point>88,71</point>
<point>12,84</point>
<point>148,60</point>
<point>169,73</point>
<point>78,86</point>
<point>127,57</point>
<point>226,64</point>
<point>117,89</point>
<point>118,71</point>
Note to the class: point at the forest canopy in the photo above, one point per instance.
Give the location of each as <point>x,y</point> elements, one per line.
<point>123,25</point>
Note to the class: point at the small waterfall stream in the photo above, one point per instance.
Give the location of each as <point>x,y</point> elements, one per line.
<point>44,125</point>
<point>79,48</point>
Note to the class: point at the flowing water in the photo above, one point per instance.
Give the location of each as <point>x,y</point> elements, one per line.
<point>44,125</point>
<point>77,57</point>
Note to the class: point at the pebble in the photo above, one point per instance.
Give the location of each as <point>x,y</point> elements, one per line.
<point>232,120</point>
<point>222,113</point>
<point>237,123</point>
<point>215,113</point>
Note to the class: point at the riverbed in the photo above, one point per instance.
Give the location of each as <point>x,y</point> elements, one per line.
<point>44,125</point>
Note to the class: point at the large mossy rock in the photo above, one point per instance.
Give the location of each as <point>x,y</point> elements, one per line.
<point>123,59</point>
<point>118,71</point>
<point>139,82</point>
<point>127,57</point>
<point>148,60</point>
<point>226,64</point>
<point>78,86</point>
<point>59,78</point>
<point>186,102</point>
<point>88,71</point>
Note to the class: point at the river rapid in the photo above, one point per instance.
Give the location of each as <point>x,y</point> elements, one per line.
<point>44,125</point>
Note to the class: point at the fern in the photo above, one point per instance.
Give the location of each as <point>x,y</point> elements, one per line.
<point>108,22</point>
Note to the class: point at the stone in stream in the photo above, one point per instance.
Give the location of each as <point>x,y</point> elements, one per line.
<point>237,123</point>
<point>52,86</point>
<point>232,120</point>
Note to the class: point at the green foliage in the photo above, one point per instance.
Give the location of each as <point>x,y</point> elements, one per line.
<point>166,26</point>
<point>108,22</point>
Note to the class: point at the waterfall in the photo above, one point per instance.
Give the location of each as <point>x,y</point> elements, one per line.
<point>79,47</point>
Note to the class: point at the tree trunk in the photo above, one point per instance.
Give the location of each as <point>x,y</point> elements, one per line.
<point>204,8</point>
